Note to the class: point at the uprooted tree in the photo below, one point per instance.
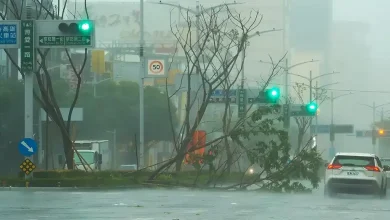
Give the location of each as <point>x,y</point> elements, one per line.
<point>44,94</point>
<point>213,58</point>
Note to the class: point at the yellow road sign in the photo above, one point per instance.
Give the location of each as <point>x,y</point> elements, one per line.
<point>98,61</point>
<point>27,166</point>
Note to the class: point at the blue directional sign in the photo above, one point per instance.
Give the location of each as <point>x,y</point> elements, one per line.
<point>9,34</point>
<point>27,147</point>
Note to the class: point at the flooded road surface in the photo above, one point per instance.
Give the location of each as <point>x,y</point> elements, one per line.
<point>182,204</point>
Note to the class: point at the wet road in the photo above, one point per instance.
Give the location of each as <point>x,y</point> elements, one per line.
<point>159,204</point>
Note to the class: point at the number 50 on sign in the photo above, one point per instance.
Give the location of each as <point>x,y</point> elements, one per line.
<point>155,68</point>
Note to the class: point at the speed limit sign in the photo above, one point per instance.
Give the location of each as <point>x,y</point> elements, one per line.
<point>156,67</point>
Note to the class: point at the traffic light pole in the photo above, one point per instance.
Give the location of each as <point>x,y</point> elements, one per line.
<point>141,88</point>
<point>28,92</point>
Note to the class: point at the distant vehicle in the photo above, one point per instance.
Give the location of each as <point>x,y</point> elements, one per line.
<point>386,164</point>
<point>355,173</point>
<point>95,152</point>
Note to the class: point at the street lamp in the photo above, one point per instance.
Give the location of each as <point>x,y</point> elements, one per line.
<point>316,98</point>
<point>332,98</point>
<point>287,69</point>
<point>310,79</point>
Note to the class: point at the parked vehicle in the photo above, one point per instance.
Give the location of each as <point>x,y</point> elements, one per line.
<point>96,154</point>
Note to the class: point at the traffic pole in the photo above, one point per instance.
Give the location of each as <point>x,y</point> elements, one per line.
<point>141,87</point>
<point>28,92</point>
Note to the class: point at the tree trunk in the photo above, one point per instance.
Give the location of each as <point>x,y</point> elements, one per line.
<point>229,157</point>
<point>179,162</point>
<point>68,152</point>
<point>301,133</point>
<point>146,156</point>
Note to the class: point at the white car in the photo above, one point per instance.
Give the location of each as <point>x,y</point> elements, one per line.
<point>355,173</point>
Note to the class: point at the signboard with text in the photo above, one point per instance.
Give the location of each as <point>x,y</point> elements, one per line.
<point>27,46</point>
<point>9,34</point>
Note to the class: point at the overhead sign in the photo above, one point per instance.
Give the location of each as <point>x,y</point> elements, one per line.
<point>364,133</point>
<point>27,147</point>
<point>222,93</point>
<point>27,46</point>
<point>27,166</point>
<point>9,34</point>
<point>242,96</point>
<point>156,67</point>
<point>339,129</point>
<point>50,35</point>
<point>298,110</point>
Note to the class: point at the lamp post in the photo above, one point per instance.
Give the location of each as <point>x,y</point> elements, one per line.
<point>286,69</point>
<point>316,98</point>
<point>332,98</point>
<point>310,79</point>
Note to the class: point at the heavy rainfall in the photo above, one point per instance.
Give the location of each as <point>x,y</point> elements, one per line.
<point>271,109</point>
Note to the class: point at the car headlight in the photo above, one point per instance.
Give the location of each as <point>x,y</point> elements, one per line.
<point>251,171</point>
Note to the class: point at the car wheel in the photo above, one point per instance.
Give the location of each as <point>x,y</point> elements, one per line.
<point>382,192</point>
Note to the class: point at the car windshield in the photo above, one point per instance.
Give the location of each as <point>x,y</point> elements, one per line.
<point>385,162</point>
<point>354,161</point>
<point>88,156</point>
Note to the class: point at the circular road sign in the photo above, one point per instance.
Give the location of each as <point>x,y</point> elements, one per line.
<point>156,67</point>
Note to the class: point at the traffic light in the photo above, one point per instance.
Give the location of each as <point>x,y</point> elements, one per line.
<point>311,108</point>
<point>272,95</point>
<point>81,28</point>
<point>381,132</point>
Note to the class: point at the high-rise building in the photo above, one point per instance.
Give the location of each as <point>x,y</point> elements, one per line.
<point>310,25</point>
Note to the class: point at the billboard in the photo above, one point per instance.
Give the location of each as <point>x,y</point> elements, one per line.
<point>120,21</point>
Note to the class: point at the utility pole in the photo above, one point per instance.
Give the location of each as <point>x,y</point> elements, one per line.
<point>332,149</point>
<point>141,88</point>
<point>28,91</point>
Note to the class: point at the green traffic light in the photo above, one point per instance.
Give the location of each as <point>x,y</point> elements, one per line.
<point>85,27</point>
<point>273,94</point>
<point>311,108</point>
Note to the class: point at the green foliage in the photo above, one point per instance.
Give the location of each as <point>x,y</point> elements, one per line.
<point>272,154</point>
<point>115,107</point>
